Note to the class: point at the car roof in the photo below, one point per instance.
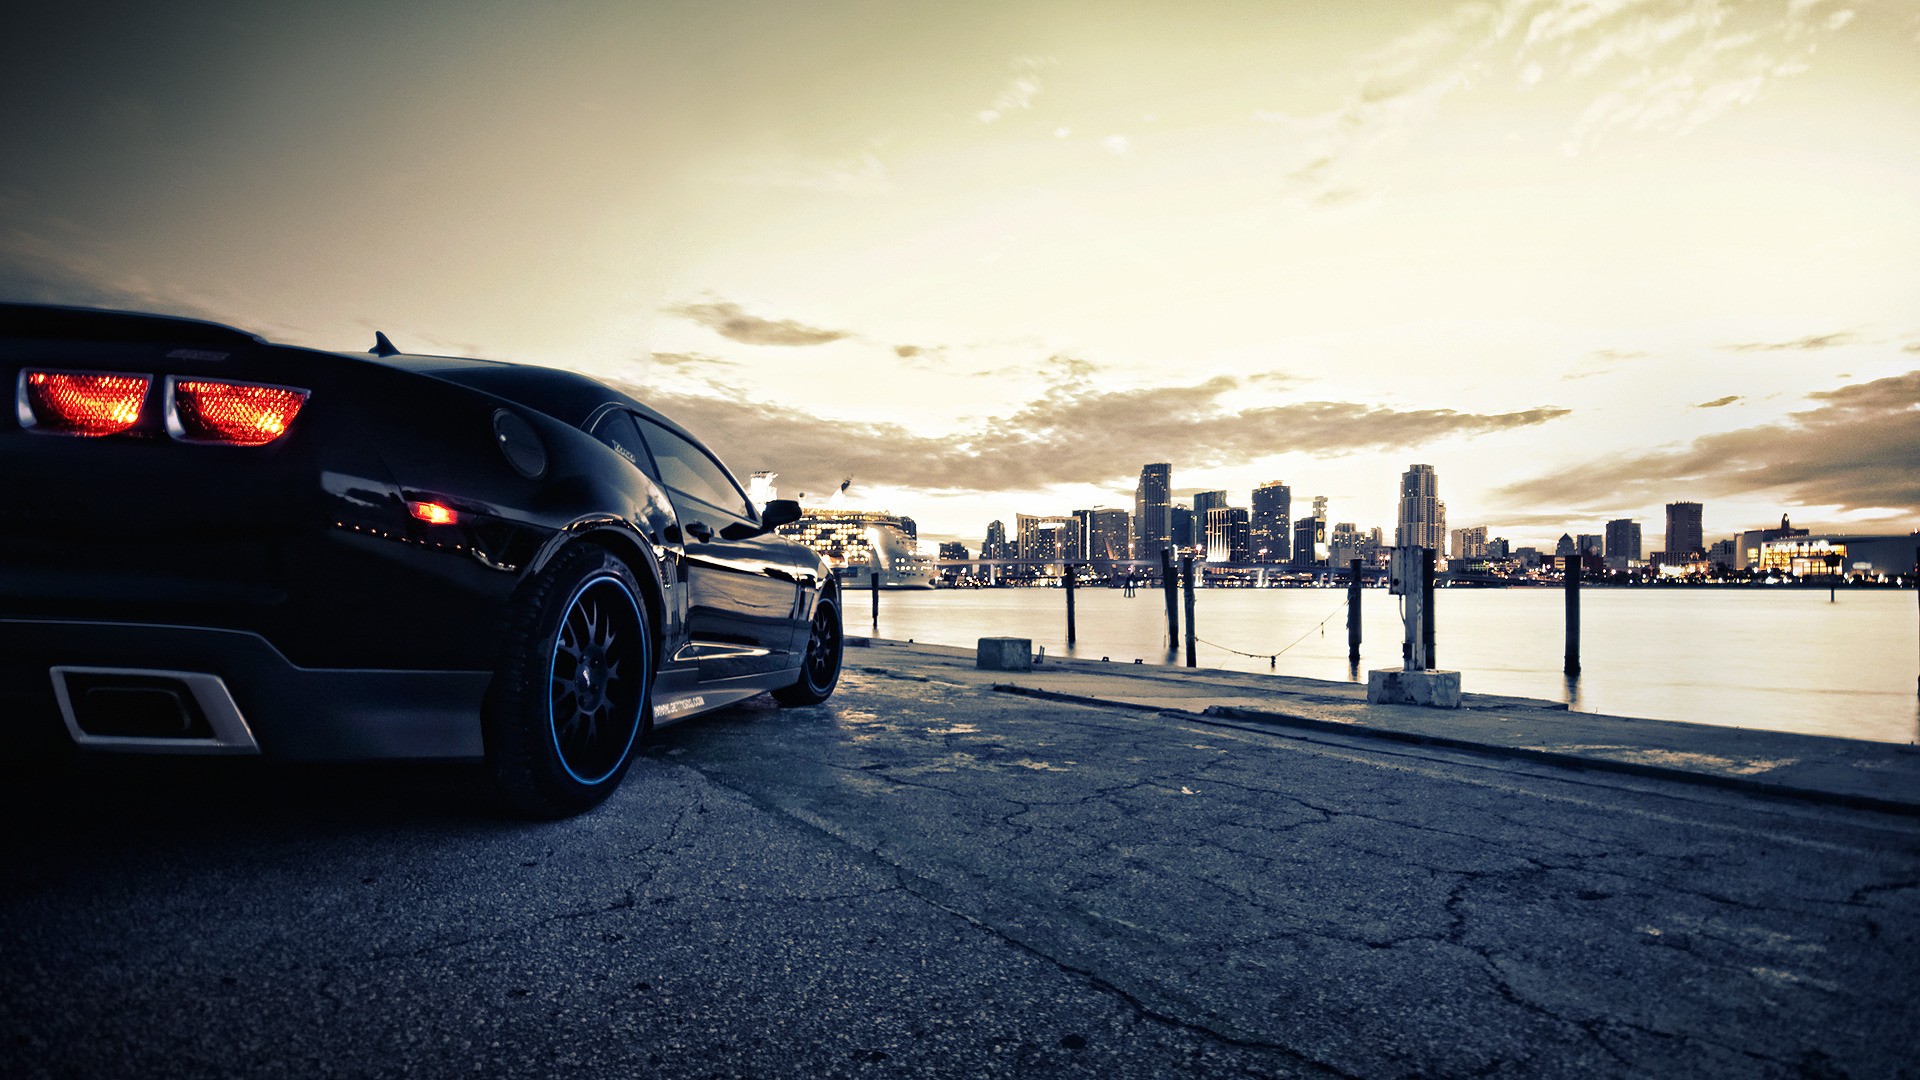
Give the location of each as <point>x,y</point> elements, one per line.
<point>567,396</point>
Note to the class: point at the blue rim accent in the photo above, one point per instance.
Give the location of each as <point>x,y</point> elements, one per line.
<point>646,649</point>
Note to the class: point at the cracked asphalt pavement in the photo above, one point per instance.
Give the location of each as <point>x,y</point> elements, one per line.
<point>924,879</point>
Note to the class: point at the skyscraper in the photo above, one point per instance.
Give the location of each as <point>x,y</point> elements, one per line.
<point>1423,517</point>
<point>1227,533</point>
<point>1623,543</point>
<point>1204,504</point>
<point>995,546</point>
<point>1272,539</point>
<point>1107,537</point>
<point>1183,535</point>
<point>1684,535</point>
<point>1470,543</point>
<point>1153,510</point>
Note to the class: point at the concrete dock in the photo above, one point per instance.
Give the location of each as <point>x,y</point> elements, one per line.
<point>952,872</point>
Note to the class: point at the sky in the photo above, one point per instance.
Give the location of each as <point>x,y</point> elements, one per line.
<point>1584,257</point>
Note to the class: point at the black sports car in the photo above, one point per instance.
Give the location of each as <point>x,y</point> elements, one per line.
<point>210,544</point>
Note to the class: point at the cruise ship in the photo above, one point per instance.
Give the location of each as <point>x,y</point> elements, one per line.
<point>847,539</point>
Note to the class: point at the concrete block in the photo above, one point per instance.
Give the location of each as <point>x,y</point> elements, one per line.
<point>1434,689</point>
<point>1004,654</point>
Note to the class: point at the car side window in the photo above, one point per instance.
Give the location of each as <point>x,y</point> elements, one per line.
<point>691,471</point>
<point>617,431</point>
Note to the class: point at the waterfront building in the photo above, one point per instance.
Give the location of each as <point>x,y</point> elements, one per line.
<point>1228,531</point>
<point>1204,503</point>
<point>1684,534</point>
<point>1046,539</point>
<point>996,546</point>
<point>1470,543</point>
<point>1107,537</point>
<point>1623,544</point>
<point>1270,521</point>
<point>1852,555</point>
<point>1153,510</point>
<point>1746,545</point>
<point>1423,517</point>
<point>1565,547</point>
<point>1498,548</point>
<point>1590,544</point>
<point>1309,539</point>
<point>1185,536</point>
<point>1720,555</point>
<point>953,551</point>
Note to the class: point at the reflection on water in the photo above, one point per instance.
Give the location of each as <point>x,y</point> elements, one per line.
<point>1778,659</point>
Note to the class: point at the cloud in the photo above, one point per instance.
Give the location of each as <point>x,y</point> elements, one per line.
<point>690,361</point>
<point>730,321</point>
<point>1806,344</point>
<point>1719,402</point>
<point>1020,91</point>
<point>1116,144</point>
<point>1074,433</point>
<point>1855,449</point>
<point>1650,67</point>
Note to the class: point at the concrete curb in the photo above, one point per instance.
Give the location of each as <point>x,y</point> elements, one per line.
<point>1524,753</point>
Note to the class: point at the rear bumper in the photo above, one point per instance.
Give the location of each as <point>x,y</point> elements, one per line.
<point>290,713</point>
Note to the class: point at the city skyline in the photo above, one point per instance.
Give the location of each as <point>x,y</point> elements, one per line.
<point>1585,259</point>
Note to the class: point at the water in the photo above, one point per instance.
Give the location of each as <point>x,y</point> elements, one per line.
<point>1777,659</point>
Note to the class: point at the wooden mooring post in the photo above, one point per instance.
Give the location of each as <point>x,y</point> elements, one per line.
<point>1170,584</point>
<point>873,587</point>
<point>1186,588</point>
<point>1353,614</point>
<point>1573,615</point>
<point>1069,585</point>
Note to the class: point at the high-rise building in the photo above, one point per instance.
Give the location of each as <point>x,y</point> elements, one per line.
<point>1623,544</point>
<point>1205,503</point>
<point>1590,544</point>
<point>1423,517</point>
<point>953,550</point>
<point>995,546</point>
<point>1305,544</point>
<point>1564,547</point>
<point>1270,523</point>
<point>1184,534</point>
<point>1227,534</point>
<point>1153,510</point>
<point>1046,539</point>
<point>1684,535</point>
<point>1107,537</point>
<point>1470,543</point>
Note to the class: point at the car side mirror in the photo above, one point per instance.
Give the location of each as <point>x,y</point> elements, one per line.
<point>779,512</point>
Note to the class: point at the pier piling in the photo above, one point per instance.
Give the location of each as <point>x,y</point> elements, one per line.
<point>1353,614</point>
<point>873,587</point>
<point>1573,615</point>
<point>1426,606</point>
<point>1186,587</point>
<point>1069,584</point>
<point>1170,585</point>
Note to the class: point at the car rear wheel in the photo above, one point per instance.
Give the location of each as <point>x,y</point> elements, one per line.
<point>820,668</point>
<point>569,701</point>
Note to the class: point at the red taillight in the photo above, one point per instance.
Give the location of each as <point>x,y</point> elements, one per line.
<point>82,403</point>
<point>239,414</point>
<point>433,513</point>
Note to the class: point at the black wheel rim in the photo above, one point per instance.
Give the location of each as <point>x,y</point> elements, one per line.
<point>823,647</point>
<point>596,678</point>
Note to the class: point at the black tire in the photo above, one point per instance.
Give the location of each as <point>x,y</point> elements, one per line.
<point>569,703</point>
<point>820,667</point>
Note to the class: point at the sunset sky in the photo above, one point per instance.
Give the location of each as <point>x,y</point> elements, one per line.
<point>1585,257</point>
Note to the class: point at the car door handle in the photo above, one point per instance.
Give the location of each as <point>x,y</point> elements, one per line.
<point>699,531</point>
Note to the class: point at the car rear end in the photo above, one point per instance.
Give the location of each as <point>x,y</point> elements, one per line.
<point>203,548</point>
